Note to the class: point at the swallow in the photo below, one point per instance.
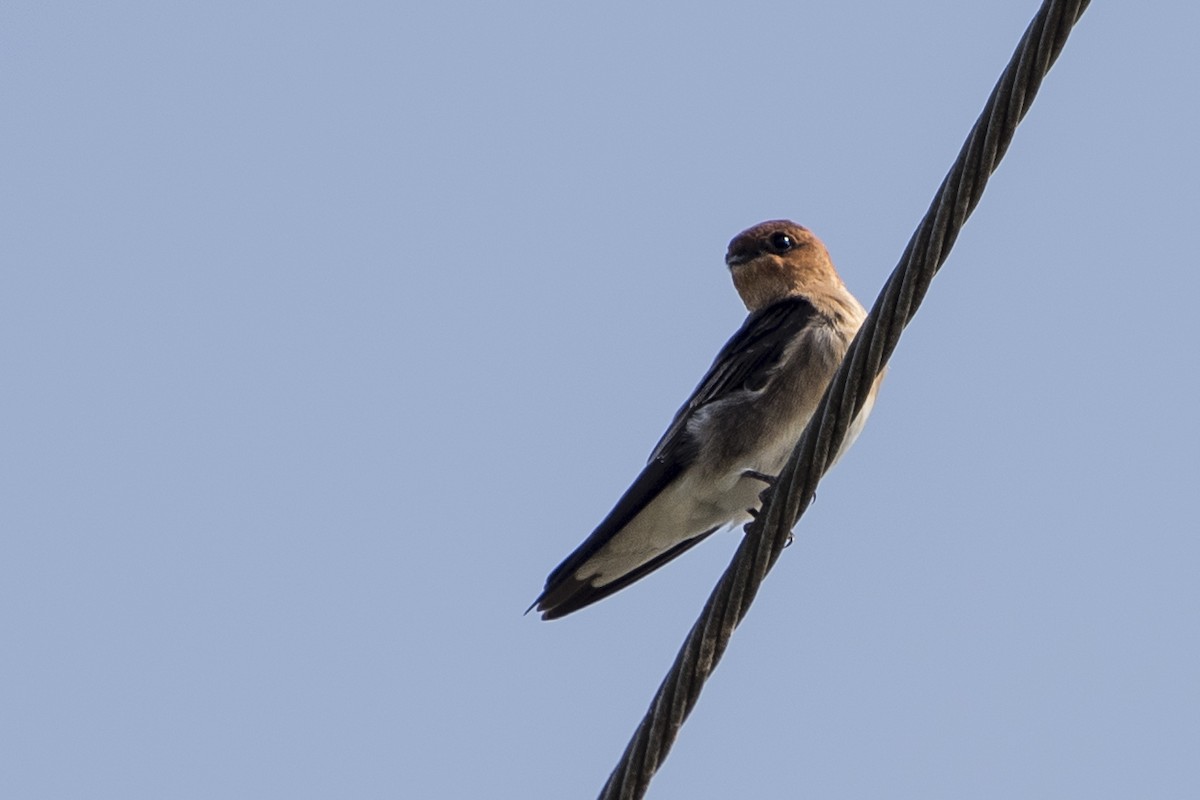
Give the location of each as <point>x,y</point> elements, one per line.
<point>738,427</point>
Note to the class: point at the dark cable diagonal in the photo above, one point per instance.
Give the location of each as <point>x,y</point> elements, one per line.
<point>793,491</point>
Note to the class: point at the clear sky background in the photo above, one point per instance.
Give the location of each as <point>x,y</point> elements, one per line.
<point>328,329</point>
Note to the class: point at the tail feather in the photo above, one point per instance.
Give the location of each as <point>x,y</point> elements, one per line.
<point>564,593</point>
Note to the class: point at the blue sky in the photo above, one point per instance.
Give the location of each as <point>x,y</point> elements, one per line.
<point>328,330</point>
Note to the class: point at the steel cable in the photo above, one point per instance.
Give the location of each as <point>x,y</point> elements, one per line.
<point>796,484</point>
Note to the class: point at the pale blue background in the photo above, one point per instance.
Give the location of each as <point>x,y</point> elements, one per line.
<point>327,329</point>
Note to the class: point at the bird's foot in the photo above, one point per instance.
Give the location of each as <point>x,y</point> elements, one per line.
<point>754,512</point>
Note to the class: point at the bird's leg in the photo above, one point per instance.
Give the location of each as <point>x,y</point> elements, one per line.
<point>769,480</point>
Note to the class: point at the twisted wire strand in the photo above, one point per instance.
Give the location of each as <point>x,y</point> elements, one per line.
<point>796,485</point>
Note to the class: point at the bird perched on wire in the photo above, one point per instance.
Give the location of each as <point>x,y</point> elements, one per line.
<point>737,429</point>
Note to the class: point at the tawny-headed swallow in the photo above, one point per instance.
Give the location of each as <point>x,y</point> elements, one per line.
<point>737,429</point>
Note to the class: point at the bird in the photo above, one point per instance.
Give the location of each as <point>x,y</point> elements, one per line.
<point>736,430</point>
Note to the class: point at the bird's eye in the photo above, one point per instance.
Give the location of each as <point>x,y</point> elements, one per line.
<point>781,242</point>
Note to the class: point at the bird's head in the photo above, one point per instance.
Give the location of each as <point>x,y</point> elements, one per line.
<point>778,259</point>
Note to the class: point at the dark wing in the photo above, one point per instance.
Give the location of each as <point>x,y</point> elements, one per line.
<point>745,362</point>
<point>562,588</point>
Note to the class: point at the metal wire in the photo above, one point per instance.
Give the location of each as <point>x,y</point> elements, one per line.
<point>797,482</point>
